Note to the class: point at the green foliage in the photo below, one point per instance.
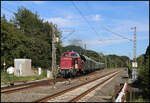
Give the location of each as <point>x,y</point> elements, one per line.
<point>93,55</point>
<point>11,43</point>
<point>117,61</point>
<point>140,99</point>
<point>28,22</point>
<point>9,78</point>
<point>143,75</point>
<point>140,61</point>
<point>27,36</point>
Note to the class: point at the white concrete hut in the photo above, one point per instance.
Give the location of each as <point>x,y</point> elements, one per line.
<point>22,67</point>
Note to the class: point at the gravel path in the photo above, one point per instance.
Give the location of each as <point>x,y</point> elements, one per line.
<point>36,93</point>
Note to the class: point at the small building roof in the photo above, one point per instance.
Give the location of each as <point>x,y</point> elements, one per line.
<point>22,60</point>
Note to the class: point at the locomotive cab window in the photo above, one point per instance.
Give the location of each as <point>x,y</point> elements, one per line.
<point>65,54</point>
<point>74,55</point>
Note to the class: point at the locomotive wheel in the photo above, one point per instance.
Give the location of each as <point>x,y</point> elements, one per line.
<point>65,75</point>
<point>74,73</point>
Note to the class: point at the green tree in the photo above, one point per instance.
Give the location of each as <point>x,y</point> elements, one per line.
<point>28,36</point>
<point>143,76</point>
<point>12,41</point>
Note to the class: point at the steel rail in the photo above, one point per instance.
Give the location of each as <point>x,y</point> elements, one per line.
<point>34,82</point>
<point>24,84</point>
<point>15,88</point>
<point>91,89</point>
<point>69,89</point>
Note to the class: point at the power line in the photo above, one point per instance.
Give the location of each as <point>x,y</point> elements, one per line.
<point>71,32</point>
<point>118,35</point>
<point>85,18</point>
<point>110,30</point>
<point>94,29</point>
<point>109,39</point>
<point>103,40</point>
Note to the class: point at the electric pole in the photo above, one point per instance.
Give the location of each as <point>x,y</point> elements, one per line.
<point>134,63</point>
<point>53,52</point>
<point>134,45</point>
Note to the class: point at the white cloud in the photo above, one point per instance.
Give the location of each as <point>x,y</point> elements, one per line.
<point>66,22</point>
<point>97,17</point>
<point>72,21</point>
<point>60,21</point>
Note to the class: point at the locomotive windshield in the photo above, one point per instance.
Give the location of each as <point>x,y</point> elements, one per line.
<point>65,54</point>
<point>74,55</point>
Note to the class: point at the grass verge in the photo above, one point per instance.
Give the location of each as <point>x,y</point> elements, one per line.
<point>9,78</point>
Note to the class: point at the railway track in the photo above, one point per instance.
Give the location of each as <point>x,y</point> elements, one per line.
<point>15,88</point>
<point>75,93</point>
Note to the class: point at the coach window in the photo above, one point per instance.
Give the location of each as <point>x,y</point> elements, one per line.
<point>65,54</point>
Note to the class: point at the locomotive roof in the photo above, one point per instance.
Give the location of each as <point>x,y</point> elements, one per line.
<point>71,52</point>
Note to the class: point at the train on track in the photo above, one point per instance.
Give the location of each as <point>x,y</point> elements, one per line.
<point>72,63</point>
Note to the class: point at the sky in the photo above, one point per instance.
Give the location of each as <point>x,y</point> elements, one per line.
<point>90,20</point>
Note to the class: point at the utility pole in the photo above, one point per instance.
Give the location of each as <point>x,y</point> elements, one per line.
<point>53,52</point>
<point>134,53</point>
<point>134,63</point>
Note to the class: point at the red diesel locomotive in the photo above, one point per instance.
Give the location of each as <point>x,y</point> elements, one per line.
<point>72,62</point>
